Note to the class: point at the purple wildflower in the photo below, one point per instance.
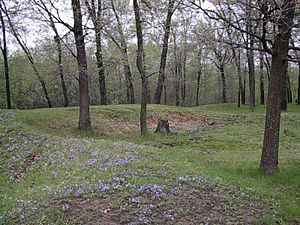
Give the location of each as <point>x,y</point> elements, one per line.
<point>65,207</point>
<point>79,192</point>
<point>105,187</point>
<point>92,162</point>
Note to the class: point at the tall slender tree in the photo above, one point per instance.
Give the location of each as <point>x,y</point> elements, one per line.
<point>140,61</point>
<point>164,53</point>
<point>5,58</point>
<point>27,53</point>
<point>84,100</point>
<point>95,12</point>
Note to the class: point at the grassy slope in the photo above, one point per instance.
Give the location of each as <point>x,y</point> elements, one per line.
<point>230,150</point>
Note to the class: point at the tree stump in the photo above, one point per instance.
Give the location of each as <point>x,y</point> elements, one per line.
<point>163,127</point>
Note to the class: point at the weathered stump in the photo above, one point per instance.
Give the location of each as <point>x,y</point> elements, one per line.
<point>163,127</point>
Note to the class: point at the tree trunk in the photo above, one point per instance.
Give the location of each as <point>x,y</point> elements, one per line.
<point>61,71</point>
<point>250,56</point>
<point>84,101</point>
<point>140,61</point>
<point>223,84</point>
<point>251,75</point>
<point>100,65</point>
<point>261,78</point>
<point>243,90</point>
<point>289,90</point>
<point>127,70</point>
<point>298,94</point>
<point>269,157</point>
<point>59,54</point>
<point>284,94</point>
<point>5,59</point>
<point>163,58</point>
<point>27,53</point>
<point>199,73</point>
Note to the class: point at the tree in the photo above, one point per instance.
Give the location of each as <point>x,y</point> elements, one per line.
<point>50,20</point>
<point>164,53</point>
<point>5,58</point>
<point>124,50</point>
<point>84,101</point>
<point>269,157</point>
<point>140,61</point>
<point>96,16</point>
<point>27,52</point>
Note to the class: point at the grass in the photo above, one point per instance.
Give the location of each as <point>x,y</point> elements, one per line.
<point>225,148</point>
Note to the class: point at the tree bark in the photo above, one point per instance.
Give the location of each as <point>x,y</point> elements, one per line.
<point>284,89</point>
<point>164,53</point>
<point>5,59</point>
<point>140,61</point>
<point>250,56</point>
<point>261,78</point>
<point>269,156</point>
<point>223,84</point>
<point>199,73</point>
<point>289,90</point>
<point>298,94</point>
<point>84,100</point>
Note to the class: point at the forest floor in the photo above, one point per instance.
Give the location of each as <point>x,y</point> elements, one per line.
<point>205,173</point>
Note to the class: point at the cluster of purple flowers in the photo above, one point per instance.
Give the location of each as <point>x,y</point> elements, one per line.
<point>125,160</point>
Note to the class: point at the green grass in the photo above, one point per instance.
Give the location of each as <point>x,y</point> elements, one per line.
<point>229,152</point>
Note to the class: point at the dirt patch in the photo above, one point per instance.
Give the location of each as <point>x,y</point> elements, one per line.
<point>91,211</point>
<point>179,121</point>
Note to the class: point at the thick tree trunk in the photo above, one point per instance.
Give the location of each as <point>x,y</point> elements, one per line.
<point>84,100</point>
<point>269,157</point>
<point>5,59</point>
<point>164,53</point>
<point>223,84</point>
<point>140,61</point>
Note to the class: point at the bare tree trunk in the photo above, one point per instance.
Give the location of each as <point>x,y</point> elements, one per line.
<point>164,53</point>
<point>284,95</point>
<point>100,65</point>
<point>250,56</point>
<point>223,84</point>
<point>59,53</point>
<point>123,48</point>
<point>269,157</point>
<point>243,90</point>
<point>5,59</point>
<point>199,73</point>
<point>140,61</point>
<point>84,100</point>
<point>261,78</point>
<point>289,90</point>
<point>298,94</point>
